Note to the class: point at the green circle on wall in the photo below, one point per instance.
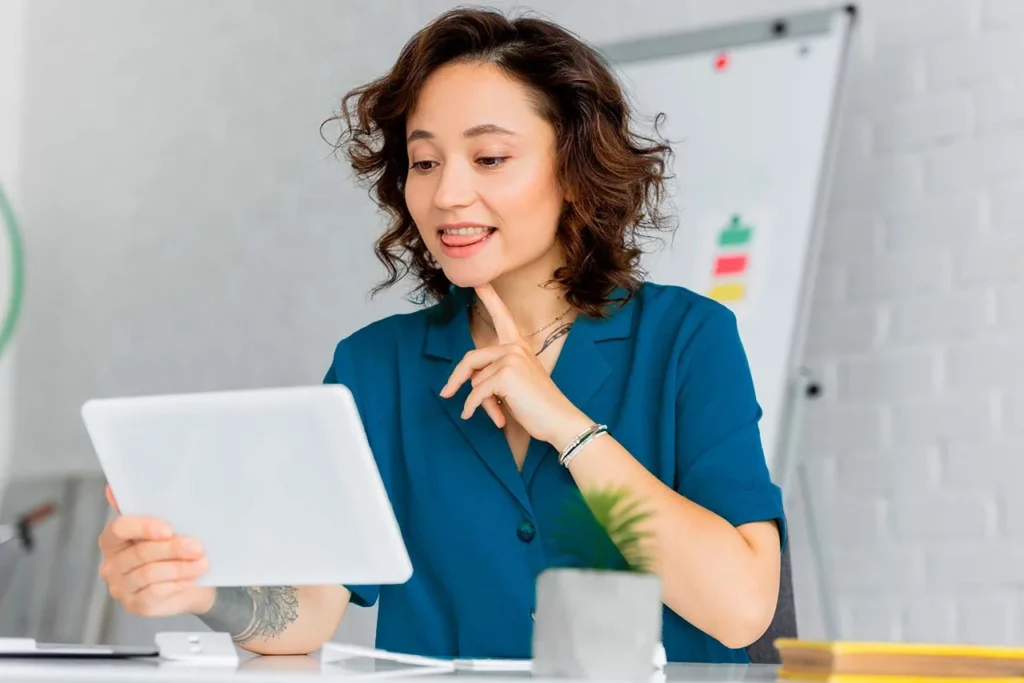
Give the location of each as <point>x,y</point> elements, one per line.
<point>13,271</point>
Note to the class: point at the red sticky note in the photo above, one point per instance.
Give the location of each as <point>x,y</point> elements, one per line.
<point>730,265</point>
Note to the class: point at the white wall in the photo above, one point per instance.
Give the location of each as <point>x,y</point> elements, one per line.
<point>11,109</point>
<point>917,330</point>
<point>186,226</point>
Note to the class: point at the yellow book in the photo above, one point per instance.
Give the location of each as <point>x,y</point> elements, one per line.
<point>879,662</point>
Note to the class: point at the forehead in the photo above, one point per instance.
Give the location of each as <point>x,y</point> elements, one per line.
<point>461,95</point>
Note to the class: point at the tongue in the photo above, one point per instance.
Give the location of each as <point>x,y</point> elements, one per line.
<point>463,240</point>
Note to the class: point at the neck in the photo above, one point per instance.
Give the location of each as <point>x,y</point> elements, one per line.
<point>526,293</point>
<point>531,304</point>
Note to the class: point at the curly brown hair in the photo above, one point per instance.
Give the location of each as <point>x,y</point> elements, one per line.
<point>613,178</point>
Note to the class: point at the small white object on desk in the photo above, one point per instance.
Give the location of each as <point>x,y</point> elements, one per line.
<point>197,649</point>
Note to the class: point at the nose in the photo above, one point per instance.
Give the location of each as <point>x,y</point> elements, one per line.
<point>454,187</point>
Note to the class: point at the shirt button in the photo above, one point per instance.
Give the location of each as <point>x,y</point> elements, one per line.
<point>526,531</point>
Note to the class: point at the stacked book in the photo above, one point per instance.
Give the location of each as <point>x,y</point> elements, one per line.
<point>856,662</point>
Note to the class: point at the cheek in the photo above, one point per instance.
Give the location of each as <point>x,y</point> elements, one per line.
<point>417,201</point>
<point>528,200</point>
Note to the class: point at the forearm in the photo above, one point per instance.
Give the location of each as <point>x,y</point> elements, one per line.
<point>278,620</point>
<point>713,575</point>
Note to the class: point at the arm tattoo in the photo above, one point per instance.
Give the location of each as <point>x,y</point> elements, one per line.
<point>554,336</point>
<point>254,612</point>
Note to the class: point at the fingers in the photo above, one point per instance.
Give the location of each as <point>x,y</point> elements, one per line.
<point>504,324</point>
<point>471,363</point>
<point>148,552</point>
<point>144,582</point>
<point>137,565</point>
<point>154,573</point>
<point>128,529</point>
<point>147,569</point>
<point>111,499</point>
<point>491,407</point>
<point>160,599</point>
<point>488,387</point>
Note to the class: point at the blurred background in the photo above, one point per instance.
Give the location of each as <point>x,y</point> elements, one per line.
<point>131,131</point>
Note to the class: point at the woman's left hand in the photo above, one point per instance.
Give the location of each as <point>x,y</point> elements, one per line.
<point>511,373</point>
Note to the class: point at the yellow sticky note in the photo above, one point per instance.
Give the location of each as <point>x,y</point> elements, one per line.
<point>733,291</point>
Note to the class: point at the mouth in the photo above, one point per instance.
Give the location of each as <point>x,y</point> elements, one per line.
<point>463,240</point>
<point>465,235</point>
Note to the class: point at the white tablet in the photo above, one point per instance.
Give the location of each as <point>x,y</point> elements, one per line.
<point>279,485</point>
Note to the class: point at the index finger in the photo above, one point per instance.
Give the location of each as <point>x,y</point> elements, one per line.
<point>504,324</point>
<point>132,528</point>
<point>111,499</point>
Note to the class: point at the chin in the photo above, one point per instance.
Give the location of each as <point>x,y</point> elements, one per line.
<point>469,275</point>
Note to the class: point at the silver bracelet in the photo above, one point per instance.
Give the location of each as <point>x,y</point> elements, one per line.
<point>577,444</point>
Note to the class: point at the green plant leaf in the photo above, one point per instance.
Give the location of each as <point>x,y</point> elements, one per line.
<point>601,529</point>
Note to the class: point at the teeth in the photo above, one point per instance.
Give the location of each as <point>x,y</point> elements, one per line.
<point>465,231</point>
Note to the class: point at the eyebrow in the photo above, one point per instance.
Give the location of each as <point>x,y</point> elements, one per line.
<point>475,131</point>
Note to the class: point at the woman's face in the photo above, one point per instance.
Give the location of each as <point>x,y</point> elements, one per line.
<point>482,185</point>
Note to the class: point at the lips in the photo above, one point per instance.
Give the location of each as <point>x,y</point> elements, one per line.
<point>463,240</point>
<point>464,236</point>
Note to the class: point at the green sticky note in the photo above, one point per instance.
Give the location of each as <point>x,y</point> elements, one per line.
<point>735,234</point>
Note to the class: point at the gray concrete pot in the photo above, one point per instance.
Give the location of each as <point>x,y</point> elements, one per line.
<point>596,624</point>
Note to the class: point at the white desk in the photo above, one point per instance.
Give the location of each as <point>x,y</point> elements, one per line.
<point>291,668</point>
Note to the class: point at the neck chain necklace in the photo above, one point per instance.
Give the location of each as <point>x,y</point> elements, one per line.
<point>560,331</point>
<point>487,319</point>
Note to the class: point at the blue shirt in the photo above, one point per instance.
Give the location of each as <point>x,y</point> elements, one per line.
<point>666,372</point>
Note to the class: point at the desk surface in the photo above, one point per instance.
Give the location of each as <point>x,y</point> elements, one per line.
<point>292,668</point>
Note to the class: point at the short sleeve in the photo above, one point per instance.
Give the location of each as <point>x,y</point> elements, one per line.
<point>341,372</point>
<point>721,462</point>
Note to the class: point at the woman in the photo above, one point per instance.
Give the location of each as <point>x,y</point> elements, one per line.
<point>516,192</point>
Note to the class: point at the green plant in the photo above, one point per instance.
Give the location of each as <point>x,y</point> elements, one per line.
<point>601,529</point>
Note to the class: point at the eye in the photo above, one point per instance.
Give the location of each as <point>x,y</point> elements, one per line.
<point>422,165</point>
<point>491,162</point>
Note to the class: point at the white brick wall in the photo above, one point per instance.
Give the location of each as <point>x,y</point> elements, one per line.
<point>943,222</point>
<point>922,122</point>
<point>924,332</point>
<point>988,618</point>
<point>970,464</point>
<point>1008,307</point>
<point>986,365</point>
<point>889,375</point>
<point>999,106</point>
<point>859,569</point>
<point>956,317</point>
<point>1000,14</point>
<point>1013,410</point>
<point>978,57</point>
<point>1007,208</point>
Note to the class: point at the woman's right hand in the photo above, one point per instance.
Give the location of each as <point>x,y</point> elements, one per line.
<point>149,570</point>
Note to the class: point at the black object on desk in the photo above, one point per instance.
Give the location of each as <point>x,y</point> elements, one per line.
<point>17,540</point>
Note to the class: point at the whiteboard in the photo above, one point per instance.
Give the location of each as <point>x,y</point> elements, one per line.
<point>749,110</point>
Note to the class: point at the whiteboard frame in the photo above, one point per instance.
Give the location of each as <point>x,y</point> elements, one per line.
<point>744,34</point>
